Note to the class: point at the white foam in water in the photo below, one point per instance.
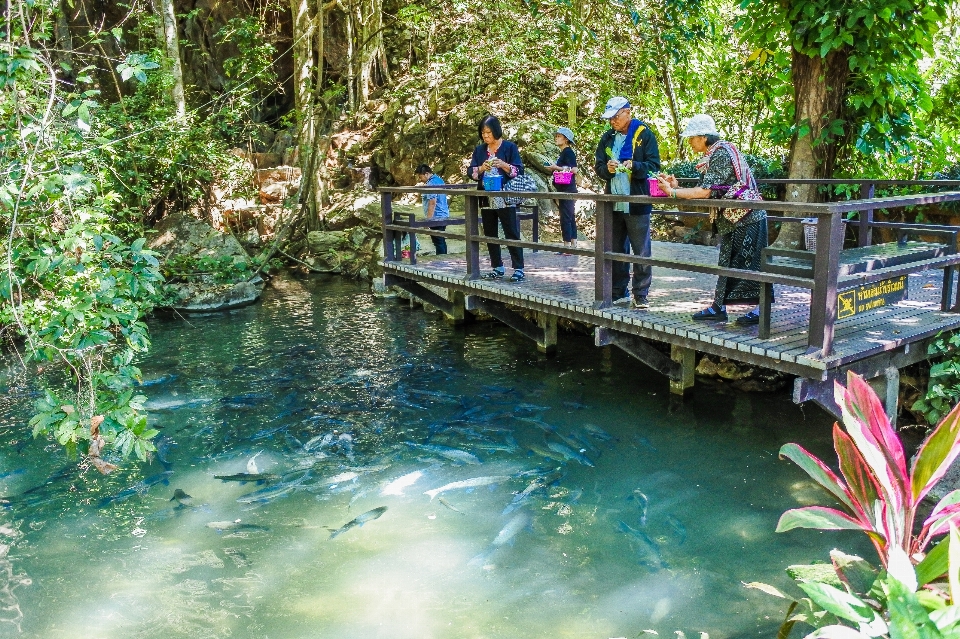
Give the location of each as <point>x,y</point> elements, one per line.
<point>582,555</point>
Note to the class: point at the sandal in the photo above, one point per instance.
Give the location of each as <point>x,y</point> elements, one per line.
<point>711,313</point>
<point>750,319</point>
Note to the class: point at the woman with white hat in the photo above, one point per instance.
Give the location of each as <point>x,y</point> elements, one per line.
<point>743,232</point>
<point>566,168</point>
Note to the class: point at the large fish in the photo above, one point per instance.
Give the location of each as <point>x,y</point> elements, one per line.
<point>137,489</point>
<point>506,534</point>
<point>370,515</point>
<point>454,454</point>
<point>647,549</point>
<point>245,477</point>
<point>569,453</point>
<point>468,483</point>
<point>397,485</point>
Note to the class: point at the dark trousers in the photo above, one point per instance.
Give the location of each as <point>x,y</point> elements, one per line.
<point>439,243</point>
<point>568,220</point>
<point>636,228</point>
<point>511,230</point>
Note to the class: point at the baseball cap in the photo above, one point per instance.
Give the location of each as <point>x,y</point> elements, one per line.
<point>565,132</point>
<point>614,105</point>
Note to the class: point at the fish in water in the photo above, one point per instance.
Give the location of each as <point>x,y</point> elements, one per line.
<point>447,504</point>
<point>468,483</point>
<point>181,497</point>
<point>175,404</point>
<point>569,453</point>
<point>643,442</point>
<point>454,454</point>
<point>252,464</point>
<point>163,379</point>
<point>245,477</point>
<point>236,525</point>
<point>642,502</point>
<point>544,452</point>
<point>678,528</point>
<point>529,408</point>
<point>647,549</point>
<point>265,495</point>
<point>360,520</point>
<point>397,485</point>
<point>336,480</point>
<point>506,534</point>
<point>521,497</point>
<point>597,432</point>
<point>137,489</point>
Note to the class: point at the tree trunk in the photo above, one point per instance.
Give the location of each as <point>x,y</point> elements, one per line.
<point>819,94</point>
<point>171,43</point>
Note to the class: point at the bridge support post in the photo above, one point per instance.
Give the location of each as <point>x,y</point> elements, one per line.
<point>687,358</point>
<point>457,314</point>
<point>547,324</point>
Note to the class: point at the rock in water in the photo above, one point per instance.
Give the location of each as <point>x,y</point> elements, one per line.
<point>183,236</point>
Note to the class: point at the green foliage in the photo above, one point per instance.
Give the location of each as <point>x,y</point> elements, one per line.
<point>881,41</point>
<point>223,269</point>
<point>944,390</point>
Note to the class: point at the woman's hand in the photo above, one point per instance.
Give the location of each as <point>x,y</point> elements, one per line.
<point>486,166</point>
<point>612,165</point>
<point>667,182</point>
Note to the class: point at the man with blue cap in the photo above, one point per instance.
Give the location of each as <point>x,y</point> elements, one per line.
<point>626,155</point>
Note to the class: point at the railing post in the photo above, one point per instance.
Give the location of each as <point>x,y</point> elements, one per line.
<point>823,302</point>
<point>603,267</point>
<point>386,212</point>
<point>471,230</point>
<point>865,237</point>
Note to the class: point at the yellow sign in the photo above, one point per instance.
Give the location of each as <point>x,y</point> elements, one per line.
<point>871,296</point>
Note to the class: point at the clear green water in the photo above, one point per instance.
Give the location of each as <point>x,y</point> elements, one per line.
<point>321,380</point>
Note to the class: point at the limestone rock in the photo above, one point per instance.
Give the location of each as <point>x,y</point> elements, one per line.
<point>182,234</point>
<point>180,237</point>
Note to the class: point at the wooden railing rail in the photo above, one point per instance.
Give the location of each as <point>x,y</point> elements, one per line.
<point>823,285</point>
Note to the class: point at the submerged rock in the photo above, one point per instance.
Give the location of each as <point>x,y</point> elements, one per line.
<point>207,270</point>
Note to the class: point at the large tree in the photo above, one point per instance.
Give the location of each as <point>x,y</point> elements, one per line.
<point>853,75</point>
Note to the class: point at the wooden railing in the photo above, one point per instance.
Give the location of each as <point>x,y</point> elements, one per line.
<point>823,285</point>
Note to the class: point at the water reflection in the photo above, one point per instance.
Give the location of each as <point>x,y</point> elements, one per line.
<point>476,488</point>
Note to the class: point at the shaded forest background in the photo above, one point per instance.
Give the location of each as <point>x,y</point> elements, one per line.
<point>115,115</point>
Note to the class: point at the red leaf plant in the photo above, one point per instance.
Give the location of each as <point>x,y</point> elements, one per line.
<point>877,493</point>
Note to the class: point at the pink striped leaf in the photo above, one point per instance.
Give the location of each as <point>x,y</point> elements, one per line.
<point>819,472</point>
<point>951,498</point>
<point>936,455</point>
<point>935,519</point>
<point>892,486</point>
<point>819,517</point>
<point>941,525</point>
<point>861,483</point>
<point>875,417</point>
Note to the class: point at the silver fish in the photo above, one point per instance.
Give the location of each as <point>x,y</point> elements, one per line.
<point>448,505</point>
<point>515,525</point>
<point>235,525</point>
<point>648,549</point>
<point>642,502</point>
<point>569,453</point>
<point>468,483</point>
<point>454,454</point>
<point>397,485</point>
<point>360,520</point>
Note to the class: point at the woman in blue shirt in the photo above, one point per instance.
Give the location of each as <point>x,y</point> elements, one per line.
<point>566,163</point>
<point>496,156</point>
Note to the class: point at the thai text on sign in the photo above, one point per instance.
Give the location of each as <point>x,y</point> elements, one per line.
<point>871,296</point>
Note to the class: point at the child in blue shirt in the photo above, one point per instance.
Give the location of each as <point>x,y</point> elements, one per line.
<point>435,206</point>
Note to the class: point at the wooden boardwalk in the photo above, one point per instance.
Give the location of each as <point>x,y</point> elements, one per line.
<point>836,309</point>
<point>564,285</point>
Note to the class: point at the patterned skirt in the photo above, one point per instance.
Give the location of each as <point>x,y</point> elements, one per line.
<point>740,249</point>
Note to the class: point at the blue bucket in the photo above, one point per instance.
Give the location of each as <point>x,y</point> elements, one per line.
<point>492,182</point>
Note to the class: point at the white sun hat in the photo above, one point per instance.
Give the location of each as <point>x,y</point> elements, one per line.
<point>701,124</point>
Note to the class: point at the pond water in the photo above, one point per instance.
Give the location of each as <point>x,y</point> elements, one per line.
<point>407,479</point>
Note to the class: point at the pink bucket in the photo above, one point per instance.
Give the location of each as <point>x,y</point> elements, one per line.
<point>655,188</point>
<point>562,177</point>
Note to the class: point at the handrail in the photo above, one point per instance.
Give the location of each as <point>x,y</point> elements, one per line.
<point>823,286</point>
